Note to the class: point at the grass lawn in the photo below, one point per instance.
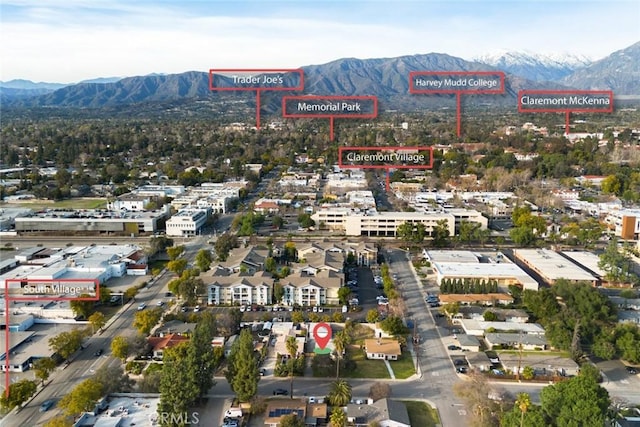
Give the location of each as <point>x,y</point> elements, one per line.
<point>360,333</point>
<point>83,203</point>
<point>364,368</point>
<point>403,367</point>
<point>421,414</point>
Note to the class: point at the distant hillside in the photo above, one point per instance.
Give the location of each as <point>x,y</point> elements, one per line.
<point>619,72</point>
<point>386,78</point>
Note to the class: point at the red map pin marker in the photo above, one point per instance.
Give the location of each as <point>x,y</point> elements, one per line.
<point>322,334</point>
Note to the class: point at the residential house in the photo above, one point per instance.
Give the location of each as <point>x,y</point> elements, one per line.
<point>382,348</point>
<point>310,290</point>
<point>239,288</point>
<point>386,412</point>
<point>160,344</point>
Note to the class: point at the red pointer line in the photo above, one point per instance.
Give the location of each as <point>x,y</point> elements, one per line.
<point>258,108</point>
<point>331,135</point>
<point>6,339</point>
<point>567,127</point>
<point>458,114</point>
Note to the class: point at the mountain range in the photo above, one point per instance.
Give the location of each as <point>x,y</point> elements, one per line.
<point>386,78</point>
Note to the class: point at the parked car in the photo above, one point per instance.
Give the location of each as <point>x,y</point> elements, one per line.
<point>263,372</point>
<point>454,347</point>
<point>632,370</point>
<point>280,392</point>
<point>196,309</point>
<point>160,303</point>
<point>460,362</point>
<point>184,309</point>
<point>98,352</point>
<point>461,369</point>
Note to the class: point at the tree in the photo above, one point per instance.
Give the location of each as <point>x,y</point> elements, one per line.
<point>97,321</point>
<point>177,266</point>
<point>528,373</point>
<point>190,289</point>
<point>277,222</point>
<point>340,342</point>
<point>82,309</point>
<point>66,343</point>
<point>43,368</point>
<point>159,244</point>
<point>113,379</point>
<point>145,320</point>
<point>412,232</point>
<point>178,384</point>
<point>339,393</point>
<point>372,316</point>
<point>224,244</point>
<point>203,259</point>
<point>201,356</point>
<point>440,234</point>
<point>291,420</point>
<point>271,266</point>
<point>578,401</point>
<point>82,398</point>
<point>19,392</point>
<point>475,393</point>
<point>617,264</point>
<point>343,294</point>
<point>242,369</point>
<point>120,347</point>
<point>59,421</point>
<point>490,316</point>
<point>338,417</point>
<point>292,349</point>
<point>533,417</point>
<point>175,252</point>
<point>393,326</point>
<point>305,220</point>
<point>379,391</point>
<point>523,402</point>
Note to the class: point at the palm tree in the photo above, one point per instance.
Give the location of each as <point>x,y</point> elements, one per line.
<point>292,349</point>
<point>338,418</point>
<point>340,342</point>
<point>523,402</point>
<point>340,393</point>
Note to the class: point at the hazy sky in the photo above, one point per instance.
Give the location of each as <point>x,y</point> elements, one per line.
<point>71,40</point>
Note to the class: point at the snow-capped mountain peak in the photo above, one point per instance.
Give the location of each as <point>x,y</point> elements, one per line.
<point>535,66</point>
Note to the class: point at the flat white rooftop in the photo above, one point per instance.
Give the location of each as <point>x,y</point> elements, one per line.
<point>588,260</point>
<point>506,270</point>
<point>553,266</point>
<point>452,256</point>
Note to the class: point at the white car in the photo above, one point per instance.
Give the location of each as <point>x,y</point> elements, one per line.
<point>196,309</point>
<point>142,306</point>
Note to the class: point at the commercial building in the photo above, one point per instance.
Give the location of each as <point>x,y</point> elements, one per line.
<point>187,222</point>
<point>625,223</point>
<point>90,222</point>
<point>551,266</point>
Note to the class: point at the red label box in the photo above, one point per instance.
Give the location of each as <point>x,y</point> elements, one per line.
<point>565,101</point>
<point>458,83</point>
<point>331,107</point>
<point>386,158</point>
<point>255,79</point>
<point>51,289</point>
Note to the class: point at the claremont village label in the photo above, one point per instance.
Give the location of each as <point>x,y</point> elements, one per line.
<point>386,157</point>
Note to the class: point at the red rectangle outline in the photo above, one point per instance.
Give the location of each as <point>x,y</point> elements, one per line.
<point>212,71</point>
<point>452,91</point>
<point>565,92</point>
<point>96,282</point>
<point>331,98</point>
<point>413,148</point>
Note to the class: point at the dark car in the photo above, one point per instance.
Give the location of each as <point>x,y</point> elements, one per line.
<point>459,362</point>
<point>46,405</point>
<point>454,347</point>
<point>98,352</point>
<point>168,294</point>
<point>461,369</point>
<point>632,370</point>
<point>263,372</point>
<point>280,392</point>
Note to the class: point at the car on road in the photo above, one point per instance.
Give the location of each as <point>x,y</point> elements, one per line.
<point>98,352</point>
<point>196,309</point>
<point>184,309</point>
<point>263,372</point>
<point>168,294</point>
<point>632,370</point>
<point>142,306</point>
<point>160,303</point>
<point>454,347</point>
<point>280,392</point>
<point>47,404</point>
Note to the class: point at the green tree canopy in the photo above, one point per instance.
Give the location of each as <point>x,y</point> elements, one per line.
<point>242,369</point>
<point>82,398</point>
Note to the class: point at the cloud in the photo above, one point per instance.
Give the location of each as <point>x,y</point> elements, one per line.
<point>67,41</point>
